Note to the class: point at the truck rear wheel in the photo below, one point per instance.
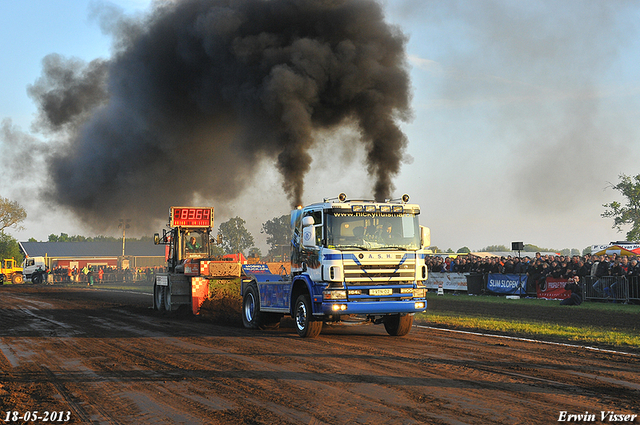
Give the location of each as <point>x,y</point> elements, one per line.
<point>302,316</point>
<point>17,279</point>
<point>158,296</point>
<point>167,297</point>
<point>252,317</point>
<point>398,324</point>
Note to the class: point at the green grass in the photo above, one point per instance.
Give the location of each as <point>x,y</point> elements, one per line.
<point>538,319</point>
<point>533,329</point>
<point>551,304</point>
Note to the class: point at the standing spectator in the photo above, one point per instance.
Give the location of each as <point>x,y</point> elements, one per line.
<point>602,270</point>
<point>583,270</point>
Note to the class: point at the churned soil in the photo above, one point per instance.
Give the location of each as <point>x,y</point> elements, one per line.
<point>106,357</point>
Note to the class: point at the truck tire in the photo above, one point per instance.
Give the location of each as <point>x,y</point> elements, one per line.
<point>303,318</point>
<point>250,308</point>
<point>167,297</point>
<point>36,278</point>
<point>252,317</point>
<point>17,279</point>
<point>1,279</point>
<point>158,297</point>
<point>398,324</point>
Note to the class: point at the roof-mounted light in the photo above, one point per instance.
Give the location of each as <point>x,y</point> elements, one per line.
<point>405,198</point>
<point>342,197</point>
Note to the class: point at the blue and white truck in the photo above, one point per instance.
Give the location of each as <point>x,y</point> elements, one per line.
<point>355,259</point>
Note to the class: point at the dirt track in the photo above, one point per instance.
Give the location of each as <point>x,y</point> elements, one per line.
<point>107,358</point>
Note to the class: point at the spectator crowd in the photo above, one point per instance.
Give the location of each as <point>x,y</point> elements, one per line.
<point>96,274</point>
<point>540,266</point>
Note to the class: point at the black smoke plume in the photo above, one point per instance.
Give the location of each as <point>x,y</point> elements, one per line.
<point>200,91</point>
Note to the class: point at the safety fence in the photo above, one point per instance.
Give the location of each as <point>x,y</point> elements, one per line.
<point>611,288</point>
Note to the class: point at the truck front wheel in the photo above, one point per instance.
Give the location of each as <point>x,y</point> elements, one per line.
<point>398,324</point>
<point>17,279</point>
<point>36,278</point>
<point>306,327</point>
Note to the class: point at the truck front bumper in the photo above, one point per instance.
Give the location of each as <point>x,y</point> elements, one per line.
<point>374,308</point>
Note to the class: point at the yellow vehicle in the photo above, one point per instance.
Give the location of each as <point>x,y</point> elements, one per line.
<point>9,271</point>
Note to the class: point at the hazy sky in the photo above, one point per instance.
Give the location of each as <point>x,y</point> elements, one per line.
<point>524,113</point>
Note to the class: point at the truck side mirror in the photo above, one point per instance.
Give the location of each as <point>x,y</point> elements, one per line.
<point>309,236</point>
<point>156,238</point>
<point>425,236</point>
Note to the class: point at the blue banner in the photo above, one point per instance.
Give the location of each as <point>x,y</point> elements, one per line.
<point>257,268</point>
<point>512,284</point>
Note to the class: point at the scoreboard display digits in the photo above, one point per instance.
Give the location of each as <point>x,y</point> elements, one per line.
<point>191,217</point>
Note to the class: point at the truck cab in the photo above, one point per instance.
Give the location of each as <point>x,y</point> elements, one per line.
<point>32,268</point>
<point>349,259</point>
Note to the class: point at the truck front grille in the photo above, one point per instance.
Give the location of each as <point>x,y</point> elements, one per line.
<point>365,274</point>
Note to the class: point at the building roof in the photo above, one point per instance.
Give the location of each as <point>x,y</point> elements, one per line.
<point>91,249</point>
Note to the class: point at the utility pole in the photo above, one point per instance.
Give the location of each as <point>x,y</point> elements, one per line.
<point>124,223</point>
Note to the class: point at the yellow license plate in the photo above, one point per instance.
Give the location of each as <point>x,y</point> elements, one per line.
<point>385,291</point>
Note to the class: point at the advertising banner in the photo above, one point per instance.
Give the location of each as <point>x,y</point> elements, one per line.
<point>449,281</point>
<point>553,289</point>
<point>510,284</point>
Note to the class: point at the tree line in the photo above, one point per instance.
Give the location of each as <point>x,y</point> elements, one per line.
<point>235,237</point>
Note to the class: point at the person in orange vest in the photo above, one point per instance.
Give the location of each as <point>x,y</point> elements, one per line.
<point>100,274</point>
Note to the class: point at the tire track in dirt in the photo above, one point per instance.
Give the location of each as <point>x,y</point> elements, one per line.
<point>119,364</point>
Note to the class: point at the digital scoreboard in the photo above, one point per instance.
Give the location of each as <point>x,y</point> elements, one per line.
<point>190,217</point>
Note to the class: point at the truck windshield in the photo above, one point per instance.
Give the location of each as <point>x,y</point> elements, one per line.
<point>374,231</point>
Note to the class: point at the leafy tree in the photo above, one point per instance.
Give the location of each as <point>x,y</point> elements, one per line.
<point>629,213</point>
<point>495,248</point>
<point>449,251</point>
<point>528,247</point>
<point>63,237</point>
<point>9,248</point>
<point>463,250</point>
<point>255,252</point>
<point>235,237</point>
<point>11,214</point>
<point>278,231</point>
<point>217,250</point>
<point>586,251</point>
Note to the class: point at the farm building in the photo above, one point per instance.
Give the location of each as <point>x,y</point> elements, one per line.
<point>138,254</point>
